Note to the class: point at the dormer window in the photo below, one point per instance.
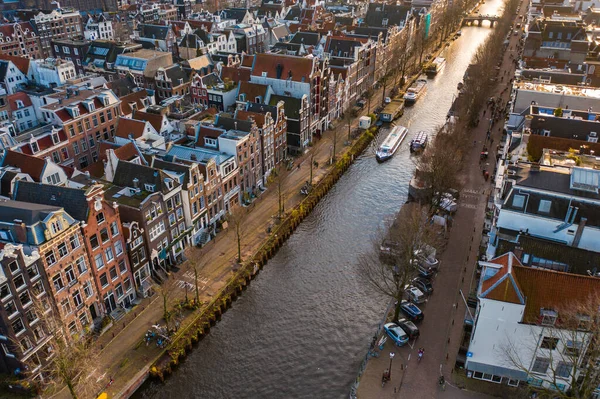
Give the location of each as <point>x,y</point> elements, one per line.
<point>74,111</point>
<point>384,22</point>
<point>264,74</point>
<point>19,104</point>
<point>242,97</point>
<point>548,317</point>
<point>34,146</point>
<point>104,100</point>
<point>90,105</point>
<point>169,183</point>
<point>149,187</point>
<point>55,137</point>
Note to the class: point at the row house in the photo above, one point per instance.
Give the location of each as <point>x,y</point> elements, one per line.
<point>272,127</point>
<point>24,341</point>
<point>64,263</point>
<point>147,13</point>
<point>138,258</point>
<point>140,132</point>
<point>86,116</point>
<point>46,141</point>
<point>161,37</point>
<point>142,65</point>
<point>221,184</point>
<point>167,12</point>
<point>190,46</point>
<point>74,50</point>
<point>295,77</point>
<point>153,199</point>
<point>41,170</point>
<point>298,116</point>
<point>102,234</point>
<point>56,24</point>
<point>98,27</point>
<point>101,58</point>
<point>184,8</point>
<point>556,38</point>
<point>20,39</point>
<point>214,42</point>
<point>157,116</point>
<point>22,112</point>
<point>241,139</point>
<point>14,71</point>
<point>251,39</point>
<point>52,72</point>
<point>171,81</point>
<point>192,190</point>
<point>519,335</point>
<point>135,101</point>
<point>240,15</point>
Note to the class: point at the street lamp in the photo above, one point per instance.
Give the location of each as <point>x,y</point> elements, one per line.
<point>392,354</point>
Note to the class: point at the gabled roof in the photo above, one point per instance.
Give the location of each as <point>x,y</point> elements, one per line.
<point>20,62</point>
<point>124,86</point>
<point>155,120</point>
<point>381,14</point>
<point>29,213</point>
<point>235,74</point>
<point>126,172</point>
<point>502,286</point>
<point>227,123</point>
<point>253,90</point>
<point>31,165</point>
<point>275,66</point>
<point>292,105</point>
<point>19,96</point>
<point>135,97</point>
<point>130,128</point>
<point>306,38</point>
<point>247,115</point>
<point>158,32</point>
<point>73,200</point>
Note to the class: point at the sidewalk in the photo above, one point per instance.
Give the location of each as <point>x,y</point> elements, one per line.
<point>441,329</point>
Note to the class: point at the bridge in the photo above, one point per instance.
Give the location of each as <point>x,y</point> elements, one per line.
<point>478,19</point>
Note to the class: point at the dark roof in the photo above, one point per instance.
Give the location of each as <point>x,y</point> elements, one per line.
<point>262,109</point>
<point>379,12</point>
<point>126,172</point>
<point>292,105</point>
<point>29,213</point>
<point>563,127</point>
<point>191,40</point>
<point>163,164</point>
<point>6,182</point>
<point>293,14</point>
<point>306,38</point>
<point>158,32</point>
<point>370,31</point>
<point>73,200</point>
<point>176,72</point>
<point>211,80</point>
<point>234,13</point>
<point>227,123</point>
<point>123,86</point>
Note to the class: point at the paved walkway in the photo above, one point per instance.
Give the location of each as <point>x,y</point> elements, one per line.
<point>441,329</point>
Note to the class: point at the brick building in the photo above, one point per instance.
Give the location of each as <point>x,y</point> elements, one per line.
<point>54,25</point>
<point>72,50</point>
<point>20,39</point>
<point>86,116</point>
<point>138,258</point>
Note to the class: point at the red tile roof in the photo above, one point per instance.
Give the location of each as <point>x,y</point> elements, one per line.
<point>13,98</point>
<point>135,97</point>
<point>247,115</point>
<point>235,74</point>
<point>253,90</point>
<point>29,164</point>
<point>20,62</point>
<point>130,127</point>
<point>155,120</point>
<point>200,24</point>
<point>284,67</point>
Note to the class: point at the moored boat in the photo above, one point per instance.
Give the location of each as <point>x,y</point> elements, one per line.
<point>415,91</point>
<point>419,142</point>
<point>391,143</point>
<point>435,66</point>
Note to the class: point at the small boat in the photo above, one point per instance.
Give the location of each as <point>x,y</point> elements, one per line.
<point>435,66</point>
<point>459,33</point>
<point>460,85</point>
<point>419,143</point>
<point>391,143</point>
<point>415,91</point>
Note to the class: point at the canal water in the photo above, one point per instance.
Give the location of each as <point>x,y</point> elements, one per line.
<point>303,326</point>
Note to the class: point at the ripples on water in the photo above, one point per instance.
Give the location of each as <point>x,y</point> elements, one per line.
<point>303,326</point>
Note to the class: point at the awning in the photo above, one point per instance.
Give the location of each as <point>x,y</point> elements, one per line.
<point>496,370</point>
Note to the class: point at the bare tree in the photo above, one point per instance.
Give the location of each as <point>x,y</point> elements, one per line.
<point>401,54</point>
<point>194,264</point>
<point>67,359</point>
<point>236,218</point>
<point>348,119</point>
<point>369,93</point>
<point>567,352</point>
<point>390,266</point>
<point>167,293</point>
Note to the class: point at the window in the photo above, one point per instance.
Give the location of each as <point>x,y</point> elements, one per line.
<point>74,240</point>
<point>563,369</point>
<point>544,206</point>
<point>134,258</point>
<point>172,219</point>
<point>70,274</point>
<point>572,348</point>
<point>50,258</point>
<point>38,288</point>
<point>118,247</point>
<point>122,266</point>
<point>55,227</point>
<point>18,326</point>
<point>104,235</point>
<point>14,267</point>
<point>127,284</point>
<point>549,343</point>
<point>94,241</point>
<point>119,291</point>
<point>73,328</point>
<point>62,250</point>
<point>100,217</point>
<point>19,282</point>
<point>32,272</point>
<point>4,292</point>
<point>114,229</point>
<point>109,254</point>
<point>81,266</point>
<point>38,333</point>
<point>77,299</point>
<point>548,317</point>
<point>76,147</point>
<point>99,260</point>
<point>518,201</point>
<point>66,306</point>
<point>87,289</point>
<point>10,308</point>
<point>103,280</point>
<point>58,282</point>
<point>25,298</point>
<point>31,316</point>
<point>113,273</point>
<point>540,365</point>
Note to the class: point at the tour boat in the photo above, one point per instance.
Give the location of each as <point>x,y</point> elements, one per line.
<point>391,143</point>
<point>435,66</point>
<point>419,142</point>
<point>415,91</point>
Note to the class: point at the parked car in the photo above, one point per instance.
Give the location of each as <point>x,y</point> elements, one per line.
<point>409,328</point>
<point>427,258</point>
<point>411,311</point>
<point>387,100</point>
<point>396,333</point>
<point>426,272</point>
<point>415,295</point>
<point>424,285</point>
<point>361,103</point>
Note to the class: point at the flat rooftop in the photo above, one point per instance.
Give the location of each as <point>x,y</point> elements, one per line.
<point>565,90</point>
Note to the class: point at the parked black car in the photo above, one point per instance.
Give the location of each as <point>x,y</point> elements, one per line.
<point>409,328</point>
<point>424,285</point>
<point>426,272</point>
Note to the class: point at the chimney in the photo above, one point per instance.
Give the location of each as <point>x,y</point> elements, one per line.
<point>20,231</point>
<point>518,251</point>
<point>579,232</point>
<point>136,183</point>
<point>235,125</point>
